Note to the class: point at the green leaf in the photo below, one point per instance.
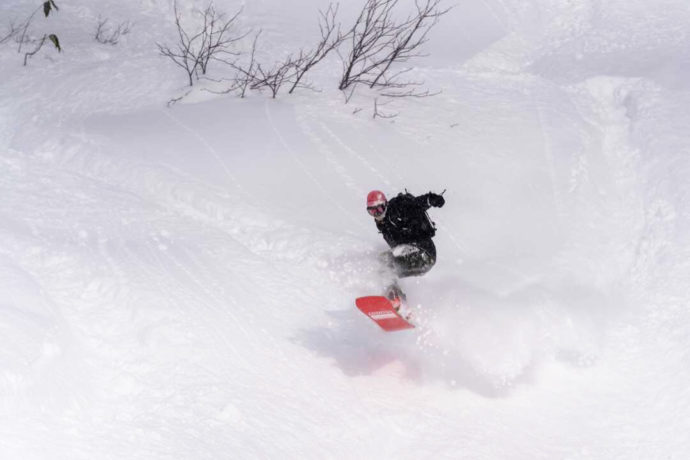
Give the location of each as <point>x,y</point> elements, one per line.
<point>54,5</point>
<point>46,8</point>
<point>53,38</point>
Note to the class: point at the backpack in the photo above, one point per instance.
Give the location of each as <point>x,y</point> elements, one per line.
<point>425,226</point>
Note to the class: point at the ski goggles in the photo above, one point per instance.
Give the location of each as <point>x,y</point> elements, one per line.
<point>377,210</point>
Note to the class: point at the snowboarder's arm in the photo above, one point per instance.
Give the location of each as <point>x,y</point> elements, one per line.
<point>430,199</point>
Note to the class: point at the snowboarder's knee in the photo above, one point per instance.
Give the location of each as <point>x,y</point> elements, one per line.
<point>414,264</point>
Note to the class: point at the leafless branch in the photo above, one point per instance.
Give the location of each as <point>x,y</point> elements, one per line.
<point>411,93</point>
<point>24,37</point>
<point>184,54</point>
<point>370,36</point>
<point>275,77</point>
<point>245,74</point>
<point>110,35</point>
<point>379,42</point>
<point>175,100</point>
<point>411,36</point>
<point>12,30</point>
<point>348,93</point>
<point>38,47</point>
<point>233,87</point>
<point>22,32</point>
<point>378,113</point>
<point>194,51</point>
<point>219,36</point>
<point>331,38</point>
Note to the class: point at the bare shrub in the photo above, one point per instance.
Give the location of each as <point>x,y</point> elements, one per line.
<point>246,75</point>
<point>108,35</point>
<point>22,33</point>
<point>185,53</point>
<point>379,43</point>
<point>47,7</point>
<point>257,76</point>
<point>219,36</point>
<point>212,41</point>
<point>275,77</point>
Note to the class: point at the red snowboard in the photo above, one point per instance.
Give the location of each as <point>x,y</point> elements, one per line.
<point>381,311</point>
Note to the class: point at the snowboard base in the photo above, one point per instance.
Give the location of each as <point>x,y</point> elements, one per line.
<point>381,311</point>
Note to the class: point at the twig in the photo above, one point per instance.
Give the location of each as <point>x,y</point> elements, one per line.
<point>41,42</point>
<point>378,114</point>
<point>109,36</point>
<point>13,29</point>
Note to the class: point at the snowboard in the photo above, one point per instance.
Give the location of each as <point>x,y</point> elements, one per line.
<point>381,311</point>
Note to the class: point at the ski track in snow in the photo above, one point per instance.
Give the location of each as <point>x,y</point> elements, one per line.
<point>206,145</point>
<point>179,282</point>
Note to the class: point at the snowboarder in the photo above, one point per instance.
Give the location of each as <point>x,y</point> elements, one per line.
<point>408,230</point>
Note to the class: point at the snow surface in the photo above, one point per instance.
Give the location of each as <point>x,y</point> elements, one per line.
<point>179,282</point>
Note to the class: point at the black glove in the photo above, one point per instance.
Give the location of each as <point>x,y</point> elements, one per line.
<point>436,201</point>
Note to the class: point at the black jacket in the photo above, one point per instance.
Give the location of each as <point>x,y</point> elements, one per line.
<point>406,220</point>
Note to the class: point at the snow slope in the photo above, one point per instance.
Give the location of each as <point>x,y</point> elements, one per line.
<point>179,282</point>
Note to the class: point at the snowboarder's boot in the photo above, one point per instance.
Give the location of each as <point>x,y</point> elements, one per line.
<point>398,301</point>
